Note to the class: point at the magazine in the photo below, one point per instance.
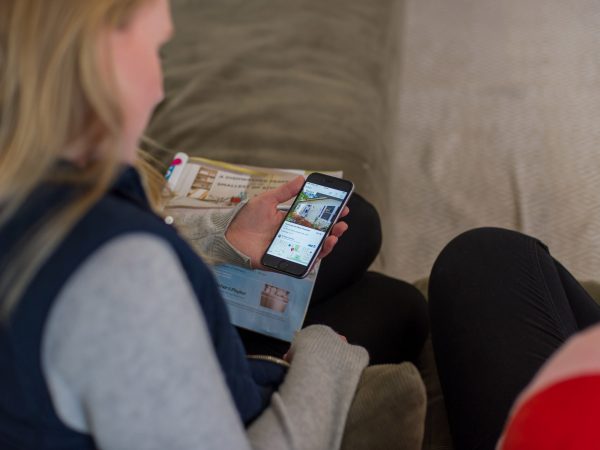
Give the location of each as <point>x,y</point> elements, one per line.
<point>267,302</point>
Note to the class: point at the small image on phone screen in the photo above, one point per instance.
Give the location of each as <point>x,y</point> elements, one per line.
<point>307,224</point>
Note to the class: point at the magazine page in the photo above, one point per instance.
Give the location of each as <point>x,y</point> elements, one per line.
<point>270,303</point>
<point>204,183</point>
<point>267,302</point>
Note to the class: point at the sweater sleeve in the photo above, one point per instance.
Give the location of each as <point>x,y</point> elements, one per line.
<point>128,359</point>
<point>205,232</point>
<point>309,411</point>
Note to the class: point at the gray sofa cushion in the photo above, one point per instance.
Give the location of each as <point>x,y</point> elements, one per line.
<point>297,84</point>
<point>290,83</point>
<point>388,410</point>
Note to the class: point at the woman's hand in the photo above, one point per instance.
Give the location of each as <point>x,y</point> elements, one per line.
<point>255,225</point>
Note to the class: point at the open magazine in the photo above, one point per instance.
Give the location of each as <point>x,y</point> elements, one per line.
<point>266,302</point>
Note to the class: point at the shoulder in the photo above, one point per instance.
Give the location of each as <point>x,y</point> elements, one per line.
<point>121,263</point>
<point>128,323</point>
<point>579,355</point>
<point>125,293</point>
<point>119,229</point>
<point>560,404</point>
<point>117,212</point>
<point>129,281</point>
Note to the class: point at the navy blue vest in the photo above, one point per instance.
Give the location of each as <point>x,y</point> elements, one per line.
<point>27,417</point>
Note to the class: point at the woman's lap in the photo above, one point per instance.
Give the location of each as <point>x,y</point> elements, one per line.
<point>500,305</point>
<point>386,316</point>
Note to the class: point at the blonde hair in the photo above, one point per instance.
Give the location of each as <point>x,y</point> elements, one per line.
<point>55,97</point>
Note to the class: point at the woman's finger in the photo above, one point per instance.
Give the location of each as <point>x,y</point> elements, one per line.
<point>328,246</point>
<point>286,191</point>
<point>339,229</point>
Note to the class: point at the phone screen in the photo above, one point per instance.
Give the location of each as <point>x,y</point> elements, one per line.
<point>307,223</point>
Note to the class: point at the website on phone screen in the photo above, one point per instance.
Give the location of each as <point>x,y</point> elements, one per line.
<point>306,223</point>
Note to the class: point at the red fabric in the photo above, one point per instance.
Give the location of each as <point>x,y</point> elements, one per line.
<point>564,416</point>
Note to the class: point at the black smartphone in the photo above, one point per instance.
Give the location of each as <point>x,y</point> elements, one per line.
<point>314,212</point>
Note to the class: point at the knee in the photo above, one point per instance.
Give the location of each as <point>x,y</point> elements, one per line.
<point>471,255</point>
<point>474,262</point>
<point>474,247</point>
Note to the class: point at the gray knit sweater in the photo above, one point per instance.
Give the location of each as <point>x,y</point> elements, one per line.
<point>128,359</point>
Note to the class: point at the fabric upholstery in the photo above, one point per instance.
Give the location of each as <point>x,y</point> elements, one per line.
<point>295,84</point>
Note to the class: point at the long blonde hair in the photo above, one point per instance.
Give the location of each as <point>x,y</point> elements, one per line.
<point>54,98</point>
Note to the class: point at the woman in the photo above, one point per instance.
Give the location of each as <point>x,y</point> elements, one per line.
<point>113,332</point>
<point>501,307</point>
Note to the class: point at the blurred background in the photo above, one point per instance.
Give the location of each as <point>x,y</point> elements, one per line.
<point>447,114</point>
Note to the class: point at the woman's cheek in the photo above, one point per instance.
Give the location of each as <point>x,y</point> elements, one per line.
<point>145,92</point>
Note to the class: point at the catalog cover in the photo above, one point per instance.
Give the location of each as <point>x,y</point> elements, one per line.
<point>266,302</point>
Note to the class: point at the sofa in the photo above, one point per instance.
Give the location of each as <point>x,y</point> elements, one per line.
<point>313,84</point>
<point>293,84</point>
<point>302,84</point>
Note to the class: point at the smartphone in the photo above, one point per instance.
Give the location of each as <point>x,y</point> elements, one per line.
<point>314,212</point>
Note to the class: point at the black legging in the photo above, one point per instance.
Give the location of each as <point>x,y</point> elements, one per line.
<point>386,316</point>
<point>500,305</point>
